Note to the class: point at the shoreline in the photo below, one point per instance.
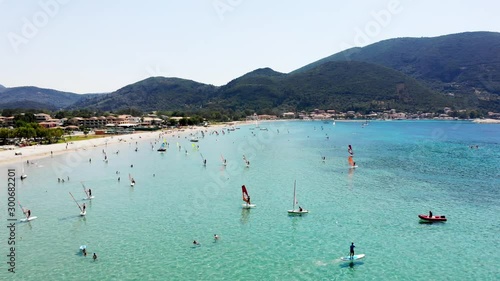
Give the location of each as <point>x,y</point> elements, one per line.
<point>9,157</point>
<point>36,152</point>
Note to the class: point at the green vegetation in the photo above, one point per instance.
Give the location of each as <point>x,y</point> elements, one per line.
<point>28,132</point>
<point>464,65</point>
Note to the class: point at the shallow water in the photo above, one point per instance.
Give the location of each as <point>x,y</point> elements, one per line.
<point>146,232</point>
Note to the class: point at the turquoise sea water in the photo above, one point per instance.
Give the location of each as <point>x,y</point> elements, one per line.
<point>146,232</point>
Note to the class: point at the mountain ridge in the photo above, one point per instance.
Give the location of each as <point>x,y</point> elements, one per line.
<point>458,70</point>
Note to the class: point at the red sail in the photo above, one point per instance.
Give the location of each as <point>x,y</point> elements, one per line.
<point>351,161</point>
<point>246,197</point>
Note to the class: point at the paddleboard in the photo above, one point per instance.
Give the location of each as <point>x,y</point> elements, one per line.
<point>30,219</point>
<point>297,212</point>
<point>88,198</point>
<point>83,213</point>
<point>248,206</point>
<point>355,257</point>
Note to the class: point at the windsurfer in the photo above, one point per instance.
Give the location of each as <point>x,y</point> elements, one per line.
<point>29,213</point>
<point>83,208</point>
<point>90,192</point>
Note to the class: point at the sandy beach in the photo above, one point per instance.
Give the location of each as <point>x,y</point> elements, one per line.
<point>30,153</point>
<point>486,121</point>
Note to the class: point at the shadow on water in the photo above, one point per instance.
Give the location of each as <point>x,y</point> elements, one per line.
<point>83,218</point>
<point>245,214</point>
<point>351,264</point>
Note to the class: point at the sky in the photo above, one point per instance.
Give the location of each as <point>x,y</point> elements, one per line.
<point>90,46</point>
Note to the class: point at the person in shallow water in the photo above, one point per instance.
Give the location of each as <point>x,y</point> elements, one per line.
<point>216,237</point>
<point>84,252</point>
<point>94,256</point>
<point>351,250</point>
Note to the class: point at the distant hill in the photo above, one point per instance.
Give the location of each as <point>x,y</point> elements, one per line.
<point>151,94</point>
<point>256,90</point>
<point>360,86</point>
<point>28,104</point>
<point>40,96</point>
<point>2,88</point>
<point>334,85</point>
<point>464,64</point>
<point>461,71</point>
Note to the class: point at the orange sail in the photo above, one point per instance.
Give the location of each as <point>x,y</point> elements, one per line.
<point>246,197</point>
<point>351,161</point>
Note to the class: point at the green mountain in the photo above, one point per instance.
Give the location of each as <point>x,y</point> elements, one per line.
<point>256,90</point>
<point>21,97</point>
<point>461,71</point>
<point>332,85</point>
<point>465,64</point>
<point>153,93</point>
<point>359,86</point>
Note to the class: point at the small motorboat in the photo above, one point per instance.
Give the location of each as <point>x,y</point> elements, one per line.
<point>426,218</point>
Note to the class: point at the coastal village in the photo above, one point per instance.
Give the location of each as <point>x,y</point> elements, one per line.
<point>124,123</point>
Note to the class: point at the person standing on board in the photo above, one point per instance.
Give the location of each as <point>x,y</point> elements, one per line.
<point>351,250</point>
<point>430,214</point>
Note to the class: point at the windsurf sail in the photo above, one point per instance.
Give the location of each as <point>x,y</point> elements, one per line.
<point>76,202</point>
<point>246,160</point>
<point>349,149</point>
<point>246,197</point>
<point>351,161</point>
<point>25,211</point>
<point>85,190</point>
<point>163,146</point>
<point>223,159</point>
<point>295,202</point>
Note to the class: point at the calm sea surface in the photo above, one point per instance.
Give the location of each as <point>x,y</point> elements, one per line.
<point>146,232</point>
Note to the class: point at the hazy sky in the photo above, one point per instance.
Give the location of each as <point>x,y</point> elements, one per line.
<point>87,46</point>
